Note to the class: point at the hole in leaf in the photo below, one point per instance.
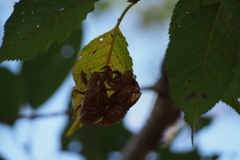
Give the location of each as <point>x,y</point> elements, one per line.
<point>23,20</point>
<point>190,96</point>
<point>62,9</point>
<point>80,57</point>
<point>37,25</point>
<point>204,96</point>
<point>179,26</point>
<point>32,12</point>
<point>187,13</point>
<point>22,12</point>
<point>101,39</point>
<point>93,52</point>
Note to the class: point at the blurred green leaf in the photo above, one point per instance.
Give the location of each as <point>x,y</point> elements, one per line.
<point>157,12</point>
<point>166,154</point>
<point>11,93</point>
<point>97,142</point>
<point>45,74</point>
<point>102,140</point>
<point>35,25</point>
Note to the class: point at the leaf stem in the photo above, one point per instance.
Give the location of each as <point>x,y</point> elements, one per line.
<point>115,29</point>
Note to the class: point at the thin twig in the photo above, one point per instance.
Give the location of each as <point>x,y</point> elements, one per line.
<point>116,28</point>
<point>12,118</point>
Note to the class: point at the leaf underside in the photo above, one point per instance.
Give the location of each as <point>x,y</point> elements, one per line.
<point>35,25</point>
<point>202,55</point>
<point>97,54</point>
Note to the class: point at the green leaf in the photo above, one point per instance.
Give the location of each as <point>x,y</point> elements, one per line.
<point>109,49</point>
<point>45,74</point>
<point>97,142</point>
<point>11,93</point>
<point>232,95</point>
<point>102,140</point>
<point>35,25</point>
<point>165,154</point>
<point>203,122</point>
<point>181,10</point>
<point>201,57</point>
<point>209,2</point>
<point>98,54</point>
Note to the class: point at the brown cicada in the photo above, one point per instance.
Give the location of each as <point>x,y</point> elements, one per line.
<point>126,94</point>
<point>95,100</point>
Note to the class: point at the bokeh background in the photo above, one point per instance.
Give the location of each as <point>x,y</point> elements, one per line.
<point>43,137</point>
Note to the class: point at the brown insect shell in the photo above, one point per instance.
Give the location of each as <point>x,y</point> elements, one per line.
<point>95,100</point>
<point>126,94</point>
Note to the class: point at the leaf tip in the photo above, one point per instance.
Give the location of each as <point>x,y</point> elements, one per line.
<point>76,125</point>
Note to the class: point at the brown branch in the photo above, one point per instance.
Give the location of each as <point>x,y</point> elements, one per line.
<point>12,118</point>
<point>164,113</point>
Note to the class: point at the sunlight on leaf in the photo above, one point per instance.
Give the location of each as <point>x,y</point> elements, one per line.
<point>105,50</point>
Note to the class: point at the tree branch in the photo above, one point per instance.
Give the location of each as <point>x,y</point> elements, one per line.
<point>12,118</point>
<point>164,113</point>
